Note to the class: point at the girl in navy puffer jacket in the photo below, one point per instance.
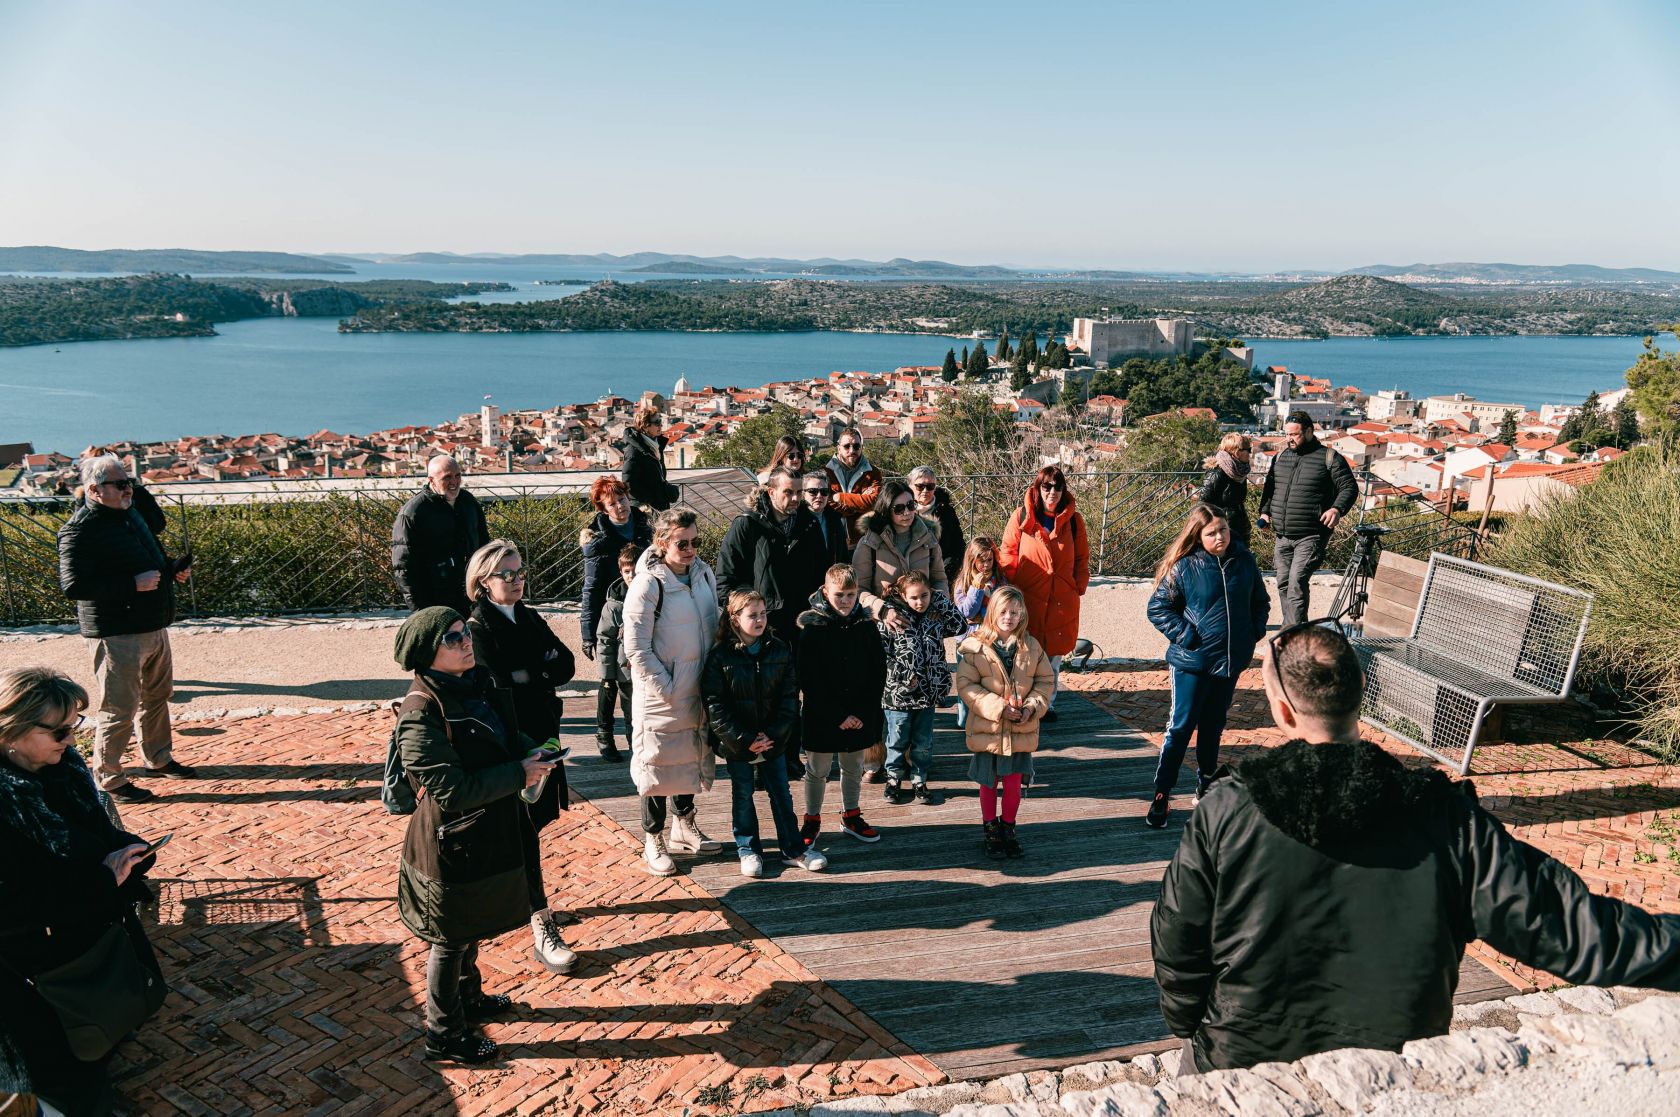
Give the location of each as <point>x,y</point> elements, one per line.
<point>1210,603</point>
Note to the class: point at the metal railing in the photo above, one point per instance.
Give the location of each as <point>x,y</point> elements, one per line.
<point>331,552</point>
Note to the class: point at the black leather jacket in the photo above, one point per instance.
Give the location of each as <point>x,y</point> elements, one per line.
<point>100,550</point>
<point>1323,895</point>
<point>748,694</point>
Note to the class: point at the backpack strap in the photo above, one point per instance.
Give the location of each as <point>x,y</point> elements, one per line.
<point>417,699</point>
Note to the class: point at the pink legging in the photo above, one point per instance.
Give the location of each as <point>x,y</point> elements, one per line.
<point>1011,799</point>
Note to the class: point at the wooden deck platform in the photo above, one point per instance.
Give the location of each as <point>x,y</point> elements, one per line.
<point>984,967</point>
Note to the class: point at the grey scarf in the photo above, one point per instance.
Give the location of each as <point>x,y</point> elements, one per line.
<point>1231,467</point>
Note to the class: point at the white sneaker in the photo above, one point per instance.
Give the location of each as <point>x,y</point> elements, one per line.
<point>813,861</point>
<point>550,949</point>
<point>659,862</point>
<point>752,865</point>
<point>687,837</point>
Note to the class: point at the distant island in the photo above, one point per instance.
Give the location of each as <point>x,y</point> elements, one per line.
<point>562,283</point>
<point>1346,306</point>
<point>41,258</point>
<point>49,311</point>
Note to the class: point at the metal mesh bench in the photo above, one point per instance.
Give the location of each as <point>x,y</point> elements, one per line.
<point>1482,637</point>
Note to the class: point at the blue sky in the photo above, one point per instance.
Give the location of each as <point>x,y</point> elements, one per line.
<point>1194,135</point>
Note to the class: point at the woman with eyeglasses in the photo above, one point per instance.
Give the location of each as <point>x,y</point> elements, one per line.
<point>1211,604</point>
<point>515,644</point>
<point>70,880</point>
<point>934,503</point>
<point>643,471</point>
<point>1045,554</point>
<point>670,622</point>
<point>468,868</point>
<point>896,540</point>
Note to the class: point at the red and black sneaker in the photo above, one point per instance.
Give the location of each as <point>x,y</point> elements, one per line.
<point>852,823</point>
<point>812,827</point>
<point>1157,816</point>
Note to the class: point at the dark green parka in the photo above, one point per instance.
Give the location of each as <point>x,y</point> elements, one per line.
<point>463,862</point>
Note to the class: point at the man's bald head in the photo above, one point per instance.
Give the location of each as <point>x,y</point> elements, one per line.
<point>443,475</point>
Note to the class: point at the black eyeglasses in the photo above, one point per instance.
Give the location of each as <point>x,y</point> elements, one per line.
<point>454,638</point>
<point>850,446</point>
<point>923,486</point>
<point>63,733</point>
<point>1051,486</point>
<point>907,506</point>
<point>516,575</point>
<point>817,492</point>
<point>125,483</point>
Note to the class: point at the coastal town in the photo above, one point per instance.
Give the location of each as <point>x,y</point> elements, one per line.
<point>1440,449</point>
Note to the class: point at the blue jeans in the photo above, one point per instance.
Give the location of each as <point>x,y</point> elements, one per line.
<point>909,731</point>
<point>1200,704</point>
<point>745,814</point>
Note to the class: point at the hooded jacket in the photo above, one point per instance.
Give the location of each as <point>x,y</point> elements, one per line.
<point>877,560</point>
<point>643,471</point>
<point>1051,569</point>
<point>610,657</point>
<point>782,561</point>
<point>600,543</point>
<point>1301,485</point>
<point>855,491</point>
<point>669,628</point>
<point>985,687</point>
<point>1322,897</point>
<point>842,668</point>
<point>100,550</point>
<point>918,677</point>
<point>1212,610</point>
<point>431,542</point>
<point>748,693</point>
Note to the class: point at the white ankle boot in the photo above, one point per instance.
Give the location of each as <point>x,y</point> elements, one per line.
<point>659,862</point>
<point>687,837</point>
<point>550,949</point>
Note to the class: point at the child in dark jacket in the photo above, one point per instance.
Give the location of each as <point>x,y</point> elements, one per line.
<point>1210,603</point>
<point>751,693</point>
<point>615,665</point>
<point>842,668</point>
<point>917,680</point>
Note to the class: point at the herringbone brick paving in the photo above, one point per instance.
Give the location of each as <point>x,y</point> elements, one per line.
<point>297,990</point>
<point>1608,811</point>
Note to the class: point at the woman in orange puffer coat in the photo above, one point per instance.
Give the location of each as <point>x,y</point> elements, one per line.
<point>1046,554</point>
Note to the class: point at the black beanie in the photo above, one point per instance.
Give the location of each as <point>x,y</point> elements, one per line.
<point>421,635</point>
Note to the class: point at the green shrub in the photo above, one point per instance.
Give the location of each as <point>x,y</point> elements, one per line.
<point>1616,538</point>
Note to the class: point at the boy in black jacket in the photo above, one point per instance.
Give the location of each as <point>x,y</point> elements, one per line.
<point>841,658</point>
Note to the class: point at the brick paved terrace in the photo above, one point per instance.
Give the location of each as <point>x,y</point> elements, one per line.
<point>911,962</point>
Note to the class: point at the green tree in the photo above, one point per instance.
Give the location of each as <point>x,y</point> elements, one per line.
<point>963,360</point>
<point>1587,426</point>
<point>1003,350</point>
<point>978,362</point>
<point>1056,356</point>
<point>971,435</point>
<point>1170,444</point>
<point>950,371</point>
<point>1624,423</point>
<point>1019,377</point>
<point>1508,428</point>
<point>1030,347</point>
<point>752,443</point>
<point>1655,380</point>
<point>1211,380</point>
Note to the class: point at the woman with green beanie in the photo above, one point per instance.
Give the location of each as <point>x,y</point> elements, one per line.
<point>464,875</point>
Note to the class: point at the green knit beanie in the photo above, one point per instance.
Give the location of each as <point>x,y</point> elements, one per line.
<point>420,636</point>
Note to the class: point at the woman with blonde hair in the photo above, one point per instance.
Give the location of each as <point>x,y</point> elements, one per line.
<point>70,883</point>
<point>670,621</point>
<point>1225,485</point>
<point>1210,603</point>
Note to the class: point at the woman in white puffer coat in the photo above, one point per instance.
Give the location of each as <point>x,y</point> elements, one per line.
<point>670,621</point>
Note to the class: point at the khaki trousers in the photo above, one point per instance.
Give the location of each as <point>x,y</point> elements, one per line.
<point>133,675</point>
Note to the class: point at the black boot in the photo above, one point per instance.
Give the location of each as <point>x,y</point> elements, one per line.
<point>1011,847</point>
<point>993,841</point>
<point>465,1046</point>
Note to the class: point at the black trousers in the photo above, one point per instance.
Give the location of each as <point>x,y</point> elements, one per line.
<point>605,719</point>
<point>653,810</point>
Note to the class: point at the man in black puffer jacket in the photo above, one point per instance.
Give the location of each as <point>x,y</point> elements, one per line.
<point>434,535</point>
<point>112,563</point>
<point>1308,490</point>
<point>1322,896</point>
<point>776,548</point>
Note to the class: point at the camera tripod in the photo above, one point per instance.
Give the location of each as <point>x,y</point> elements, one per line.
<point>1348,608</point>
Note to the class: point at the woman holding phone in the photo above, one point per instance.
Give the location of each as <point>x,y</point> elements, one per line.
<point>467,869</point>
<point>69,883</point>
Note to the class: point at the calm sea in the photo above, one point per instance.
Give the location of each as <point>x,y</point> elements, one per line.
<point>296,376</point>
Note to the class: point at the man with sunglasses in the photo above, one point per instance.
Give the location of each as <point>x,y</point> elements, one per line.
<point>856,482</point>
<point>111,562</point>
<point>1322,895</point>
<point>1308,489</point>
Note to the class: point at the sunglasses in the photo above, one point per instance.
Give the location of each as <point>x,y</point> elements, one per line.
<point>517,575</point>
<point>63,733</point>
<point>1281,640</point>
<point>850,446</point>
<point>125,484</point>
<point>923,486</point>
<point>1051,487</point>
<point>454,638</point>
<point>817,492</point>
<point>900,509</point>
<point>686,544</point>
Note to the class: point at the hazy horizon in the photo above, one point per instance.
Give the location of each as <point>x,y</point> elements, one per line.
<point>1210,136</point>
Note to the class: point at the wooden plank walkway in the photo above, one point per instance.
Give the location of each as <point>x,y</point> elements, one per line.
<point>984,967</point>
